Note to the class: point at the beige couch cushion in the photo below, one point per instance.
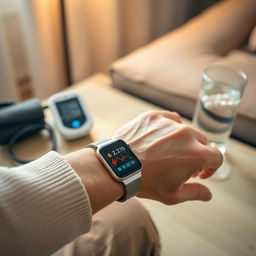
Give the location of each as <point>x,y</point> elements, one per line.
<point>178,72</point>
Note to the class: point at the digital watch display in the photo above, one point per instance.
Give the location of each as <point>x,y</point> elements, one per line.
<point>122,160</point>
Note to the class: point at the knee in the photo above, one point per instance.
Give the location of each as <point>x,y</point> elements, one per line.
<point>127,228</point>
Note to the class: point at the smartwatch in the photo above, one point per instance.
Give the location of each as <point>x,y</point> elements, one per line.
<point>121,162</point>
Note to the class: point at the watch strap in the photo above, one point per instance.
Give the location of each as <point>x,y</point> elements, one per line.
<point>132,187</point>
<point>97,143</point>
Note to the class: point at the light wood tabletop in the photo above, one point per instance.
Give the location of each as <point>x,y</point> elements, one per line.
<point>224,226</point>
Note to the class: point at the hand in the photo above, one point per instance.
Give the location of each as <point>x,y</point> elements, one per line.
<point>171,153</point>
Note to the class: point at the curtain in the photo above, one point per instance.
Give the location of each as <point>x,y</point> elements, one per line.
<point>8,90</point>
<point>102,31</point>
<point>99,32</point>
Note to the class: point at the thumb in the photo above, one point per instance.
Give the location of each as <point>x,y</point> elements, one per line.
<point>192,191</point>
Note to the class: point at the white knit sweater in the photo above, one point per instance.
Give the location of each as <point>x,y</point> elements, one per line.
<point>43,206</point>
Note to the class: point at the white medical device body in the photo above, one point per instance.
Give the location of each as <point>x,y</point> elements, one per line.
<point>71,114</point>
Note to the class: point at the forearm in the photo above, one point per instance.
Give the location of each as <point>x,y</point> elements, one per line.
<point>43,206</point>
<point>101,187</point>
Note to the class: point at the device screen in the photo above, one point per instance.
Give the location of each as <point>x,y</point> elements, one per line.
<point>121,159</point>
<point>71,113</point>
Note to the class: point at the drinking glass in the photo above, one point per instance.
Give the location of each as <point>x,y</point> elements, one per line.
<point>219,97</point>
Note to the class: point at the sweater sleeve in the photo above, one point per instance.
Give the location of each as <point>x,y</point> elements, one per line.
<point>43,206</point>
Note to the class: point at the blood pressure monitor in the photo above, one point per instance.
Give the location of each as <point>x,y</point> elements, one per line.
<point>71,114</point>
<point>121,162</point>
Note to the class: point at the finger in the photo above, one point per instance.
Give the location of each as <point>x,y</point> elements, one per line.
<point>194,175</point>
<point>192,191</point>
<point>200,137</point>
<point>213,159</point>
<point>206,173</point>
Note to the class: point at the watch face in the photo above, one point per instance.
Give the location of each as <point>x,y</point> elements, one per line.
<point>120,158</point>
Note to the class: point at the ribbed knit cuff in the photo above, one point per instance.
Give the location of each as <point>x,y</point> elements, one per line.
<point>49,208</point>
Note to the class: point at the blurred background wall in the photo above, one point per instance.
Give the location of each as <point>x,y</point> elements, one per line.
<point>32,56</point>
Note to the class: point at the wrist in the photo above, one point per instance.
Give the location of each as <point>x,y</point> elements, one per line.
<point>101,187</point>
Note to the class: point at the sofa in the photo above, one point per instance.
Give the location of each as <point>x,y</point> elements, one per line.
<point>168,71</point>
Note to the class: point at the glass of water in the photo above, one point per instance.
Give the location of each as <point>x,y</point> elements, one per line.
<point>220,95</point>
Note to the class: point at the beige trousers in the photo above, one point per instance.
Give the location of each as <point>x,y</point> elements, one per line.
<point>119,229</point>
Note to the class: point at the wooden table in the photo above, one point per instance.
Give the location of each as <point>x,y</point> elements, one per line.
<point>224,226</point>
